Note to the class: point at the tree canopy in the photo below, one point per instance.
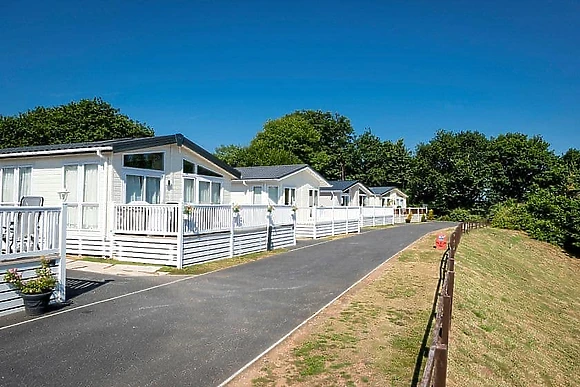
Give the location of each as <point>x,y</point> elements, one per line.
<point>82,121</point>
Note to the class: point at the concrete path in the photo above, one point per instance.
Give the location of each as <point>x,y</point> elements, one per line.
<point>114,269</point>
<point>189,331</point>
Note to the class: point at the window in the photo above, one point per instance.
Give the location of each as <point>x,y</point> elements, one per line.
<point>257,195</point>
<point>273,194</point>
<point>83,203</point>
<point>142,188</point>
<point>206,172</point>
<point>189,190</point>
<point>16,183</point>
<point>312,198</point>
<point>289,196</point>
<point>345,200</point>
<point>188,167</point>
<point>154,161</point>
<point>362,200</point>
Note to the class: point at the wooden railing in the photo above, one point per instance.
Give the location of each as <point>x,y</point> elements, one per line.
<point>29,231</point>
<point>435,372</point>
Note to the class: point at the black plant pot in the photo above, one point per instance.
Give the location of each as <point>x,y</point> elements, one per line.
<point>36,304</point>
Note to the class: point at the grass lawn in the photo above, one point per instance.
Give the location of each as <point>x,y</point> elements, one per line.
<point>516,321</point>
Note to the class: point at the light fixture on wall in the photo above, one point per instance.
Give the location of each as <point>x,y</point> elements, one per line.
<point>63,195</point>
<point>168,183</point>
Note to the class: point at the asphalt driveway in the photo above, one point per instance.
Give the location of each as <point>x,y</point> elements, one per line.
<point>196,331</point>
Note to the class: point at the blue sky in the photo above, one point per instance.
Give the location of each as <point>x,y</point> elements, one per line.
<point>217,70</point>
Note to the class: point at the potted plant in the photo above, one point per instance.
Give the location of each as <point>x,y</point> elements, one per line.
<point>409,217</point>
<point>187,209</point>
<point>270,209</point>
<point>236,209</point>
<point>35,292</point>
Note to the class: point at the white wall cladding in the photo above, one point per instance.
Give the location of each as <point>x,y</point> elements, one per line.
<point>10,301</point>
<point>145,249</point>
<point>253,241</point>
<point>283,236</point>
<point>91,244</point>
<point>205,247</point>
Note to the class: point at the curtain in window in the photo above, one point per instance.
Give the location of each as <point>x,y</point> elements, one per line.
<point>72,216</point>
<point>24,183</point>
<point>134,188</point>
<point>289,196</point>
<point>91,188</point>
<point>90,213</point>
<point>204,192</point>
<point>71,182</point>
<point>216,189</point>
<point>189,190</point>
<point>257,195</point>
<point>153,190</point>
<point>273,195</point>
<point>8,185</point>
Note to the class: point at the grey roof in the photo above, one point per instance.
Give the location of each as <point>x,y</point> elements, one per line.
<point>381,190</point>
<point>124,145</point>
<point>269,172</point>
<point>339,185</point>
<point>384,190</point>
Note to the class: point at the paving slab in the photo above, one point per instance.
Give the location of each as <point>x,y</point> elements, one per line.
<point>190,331</point>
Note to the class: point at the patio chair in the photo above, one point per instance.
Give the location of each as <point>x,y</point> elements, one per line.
<point>18,234</point>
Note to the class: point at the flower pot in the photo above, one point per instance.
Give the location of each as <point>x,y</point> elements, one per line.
<point>407,220</point>
<point>36,304</point>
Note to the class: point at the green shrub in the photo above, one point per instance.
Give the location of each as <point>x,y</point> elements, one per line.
<point>423,218</point>
<point>431,215</point>
<point>461,215</point>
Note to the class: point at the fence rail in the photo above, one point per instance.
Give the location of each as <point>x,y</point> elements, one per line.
<point>435,373</point>
<point>29,231</point>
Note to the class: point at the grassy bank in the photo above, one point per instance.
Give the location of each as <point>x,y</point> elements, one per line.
<point>516,318</point>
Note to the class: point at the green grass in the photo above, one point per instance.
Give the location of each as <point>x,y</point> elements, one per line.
<point>220,264</point>
<point>516,313</point>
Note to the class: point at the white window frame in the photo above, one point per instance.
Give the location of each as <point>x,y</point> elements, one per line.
<point>148,173</point>
<point>16,183</point>
<point>145,169</point>
<point>261,186</point>
<point>268,193</point>
<point>315,203</point>
<point>197,178</point>
<point>284,195</point>
<point>80,203</point>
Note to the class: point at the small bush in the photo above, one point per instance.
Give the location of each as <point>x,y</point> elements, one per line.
<point>423,218</point>
<point>431,215</point>
<point>462,215</point>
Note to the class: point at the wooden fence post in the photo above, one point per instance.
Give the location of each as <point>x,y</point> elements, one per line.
<point>440,377</point>
<point>446,321</point>
<point>450,286</point>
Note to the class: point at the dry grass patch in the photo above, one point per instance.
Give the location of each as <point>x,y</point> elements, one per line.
<point>516,318</point>
<point>370,337</point>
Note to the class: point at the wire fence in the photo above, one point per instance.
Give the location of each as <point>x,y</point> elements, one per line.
<point>435,372</point>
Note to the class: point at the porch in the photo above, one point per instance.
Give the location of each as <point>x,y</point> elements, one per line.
<point>28,234</point>
<point>181,235</point>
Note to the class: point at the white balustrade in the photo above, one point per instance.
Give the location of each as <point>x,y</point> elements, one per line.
<point>199,219</point>
<point>29,231</point>
<point>149,219</point>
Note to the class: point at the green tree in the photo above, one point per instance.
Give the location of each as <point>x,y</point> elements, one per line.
<point>234,155</point>
<point>82,121</point>
<point>452,171</point>
<point>379,163</point>
<point>522,164</point>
